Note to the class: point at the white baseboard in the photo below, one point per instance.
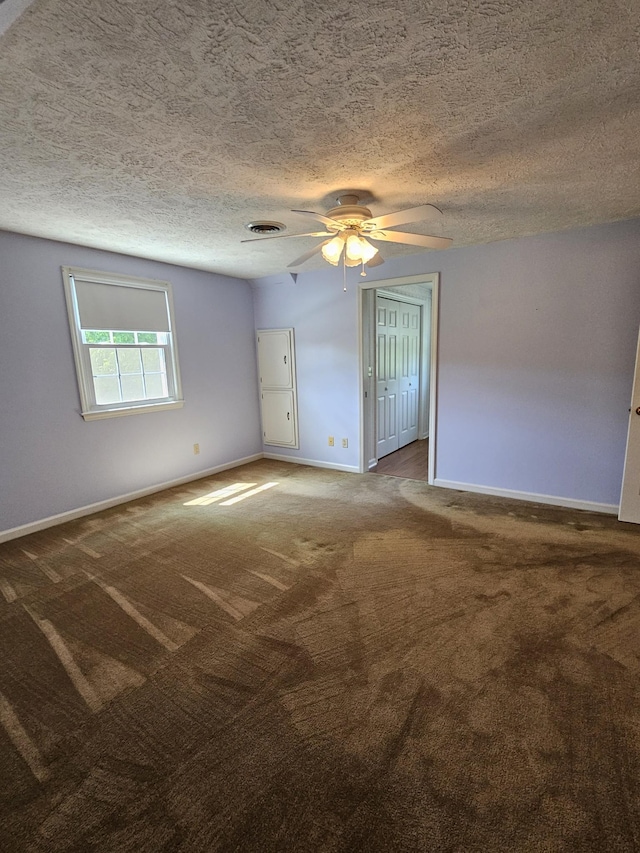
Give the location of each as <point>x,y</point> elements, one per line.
<point>52,520</point>
<point>552,500</point>
<point>315,463</point>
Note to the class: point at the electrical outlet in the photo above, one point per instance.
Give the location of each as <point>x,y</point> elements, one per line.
<point>345,442</point>
<point>196,449</point>
<point>331,441</point>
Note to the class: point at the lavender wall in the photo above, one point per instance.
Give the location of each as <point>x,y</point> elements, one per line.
<point>537,342</point>
<point>51,460</point>
<point>326,338</point>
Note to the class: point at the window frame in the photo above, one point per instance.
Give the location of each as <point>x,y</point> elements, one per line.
<point>89,409</point>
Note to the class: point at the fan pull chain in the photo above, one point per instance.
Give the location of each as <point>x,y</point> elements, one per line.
<point>344,271</point>
<point>364,272</point>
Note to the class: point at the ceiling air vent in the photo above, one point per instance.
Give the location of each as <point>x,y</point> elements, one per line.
<point>263,226</point>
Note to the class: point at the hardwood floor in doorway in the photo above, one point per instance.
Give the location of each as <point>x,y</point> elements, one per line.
<point>410,462</point>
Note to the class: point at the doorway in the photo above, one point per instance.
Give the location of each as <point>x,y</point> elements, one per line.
<point>386,415</point>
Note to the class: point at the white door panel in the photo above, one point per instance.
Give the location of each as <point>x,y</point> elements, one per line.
<point>392,358</point>
<point>277,372</point>
<point>398,373</point>
<point>381,419</point>
<point>386,377</point>
<point>381,357</point>
<point>274,358</point>
<point>392,417</point>
<point>630,497</point>
<point>278,418</point>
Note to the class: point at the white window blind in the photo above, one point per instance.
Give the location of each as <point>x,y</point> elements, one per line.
<point>121,308</point>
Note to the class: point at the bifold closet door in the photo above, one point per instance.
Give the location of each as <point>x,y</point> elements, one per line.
<point>398,334</point>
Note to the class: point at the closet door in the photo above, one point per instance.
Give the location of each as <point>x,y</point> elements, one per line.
<point>278,421</point>
<point>387,385</point>
<point>274,357</point>
<point>398,337</point>
<point>278,403</point>
<point>409,362</point>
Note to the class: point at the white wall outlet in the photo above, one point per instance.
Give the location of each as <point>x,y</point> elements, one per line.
<point>345,442</point>
<point>331,441</point>
<point>196,449</point>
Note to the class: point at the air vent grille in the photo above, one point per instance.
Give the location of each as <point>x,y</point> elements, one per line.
<point>265,227</point>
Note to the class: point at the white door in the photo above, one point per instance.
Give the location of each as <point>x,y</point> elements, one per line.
<point>274,358</point>
<point>387,384</point>
<point>409,358</point>
<point>277,372</point>
<point>278,418</point>
<point>630,498</point>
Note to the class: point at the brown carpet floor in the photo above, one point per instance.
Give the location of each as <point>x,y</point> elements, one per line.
<point>335,663</point>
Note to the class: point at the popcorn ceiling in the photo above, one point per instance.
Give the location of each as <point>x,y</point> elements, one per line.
<point>159,128</point>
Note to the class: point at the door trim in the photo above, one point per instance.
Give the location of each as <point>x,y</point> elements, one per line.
<point>365,331</point>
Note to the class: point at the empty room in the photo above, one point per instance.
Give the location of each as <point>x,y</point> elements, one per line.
<point>320,427</point>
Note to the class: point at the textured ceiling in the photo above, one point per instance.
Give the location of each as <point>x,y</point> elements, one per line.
<point>159,128</point>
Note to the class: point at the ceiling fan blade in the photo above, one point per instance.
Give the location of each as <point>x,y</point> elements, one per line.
<point>411,214</point>
<point>321,218</point>
<point>301,260</point>
<point>375,261</point>
<point>280,236</point>
<point>414,239</point>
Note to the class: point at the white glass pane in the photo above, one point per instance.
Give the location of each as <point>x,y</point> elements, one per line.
<point>156,385</point>
<point>132,387</point>
<point>151,358</point>
<point>129,360</point>
<point>103,361</point>
<point>107,389</point>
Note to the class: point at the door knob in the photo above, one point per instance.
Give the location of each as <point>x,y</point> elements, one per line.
<point>638,411</point>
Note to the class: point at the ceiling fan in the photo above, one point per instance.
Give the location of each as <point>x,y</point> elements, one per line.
<point>350,226</point>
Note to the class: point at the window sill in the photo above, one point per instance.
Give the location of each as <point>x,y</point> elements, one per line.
<point>131,410</point>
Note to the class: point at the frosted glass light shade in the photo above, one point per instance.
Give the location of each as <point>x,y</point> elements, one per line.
<point>333,250</point>
<point>368,251</point>
<point>359,249</point>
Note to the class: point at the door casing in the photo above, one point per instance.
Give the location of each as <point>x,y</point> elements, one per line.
<point>366,344</point>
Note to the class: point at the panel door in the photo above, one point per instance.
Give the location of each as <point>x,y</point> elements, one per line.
<point>630,497</point>
<point>387,376</point>
<point>409,373</point>
<point>278,418</point>
<point>274,358</point>
<point>277,373</point>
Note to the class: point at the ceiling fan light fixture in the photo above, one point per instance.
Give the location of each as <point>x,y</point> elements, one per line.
<point>359,249</point>
<point>332,250</point>
<point>349,229</point>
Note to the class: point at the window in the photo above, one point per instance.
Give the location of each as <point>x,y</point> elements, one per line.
<point>123,331</point>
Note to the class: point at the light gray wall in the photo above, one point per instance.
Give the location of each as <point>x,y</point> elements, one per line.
<point>537,343</point>
<point>51,460</point>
